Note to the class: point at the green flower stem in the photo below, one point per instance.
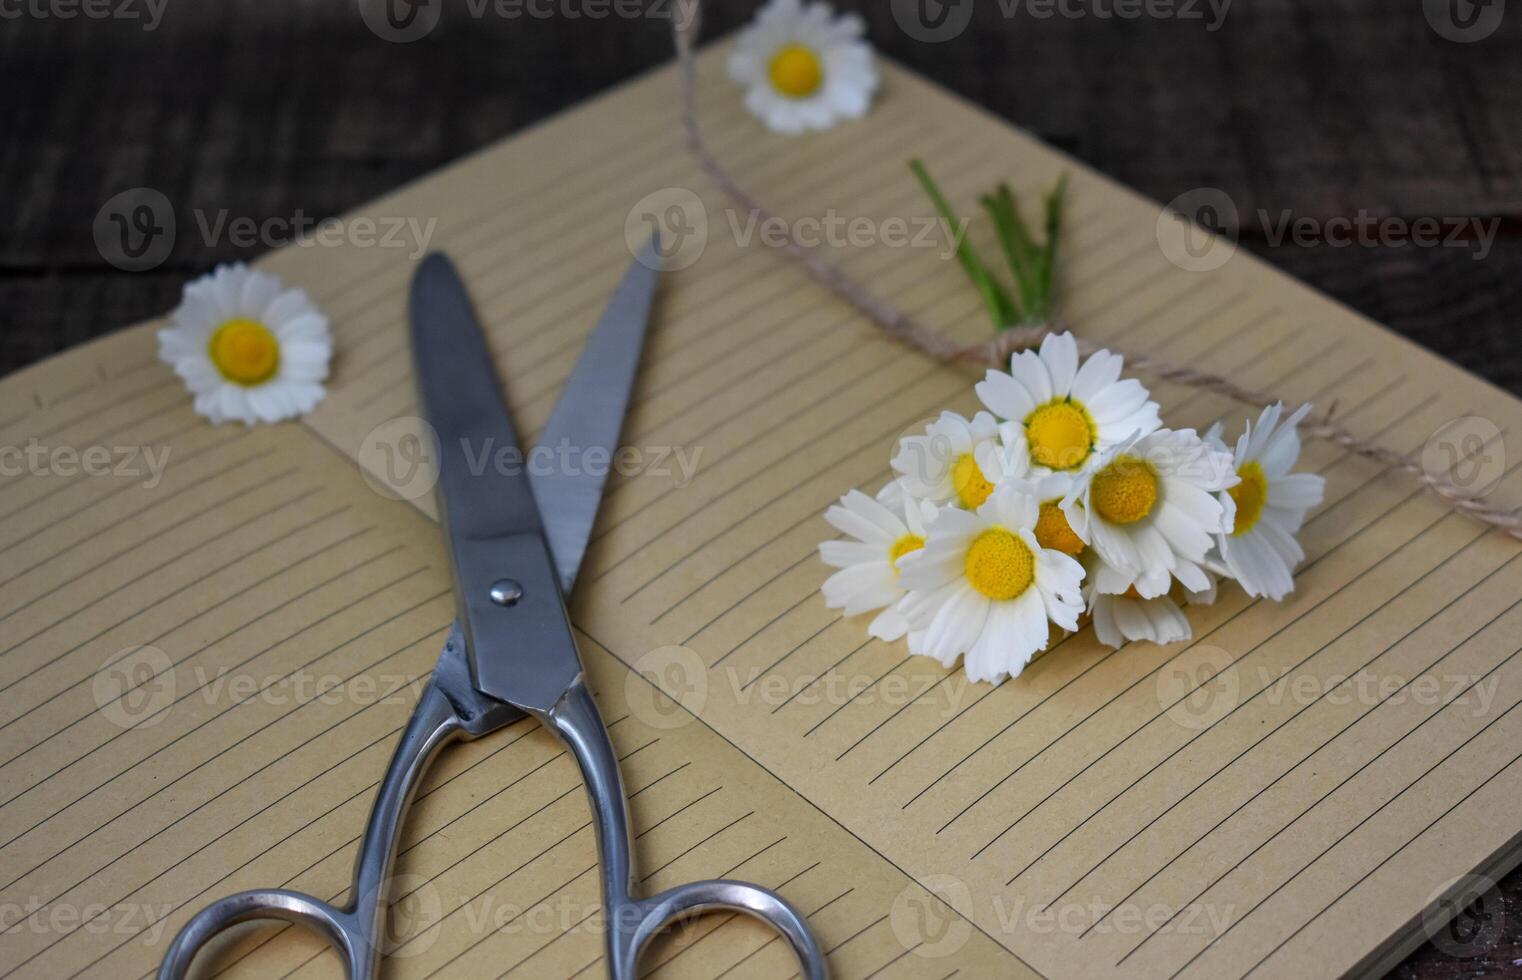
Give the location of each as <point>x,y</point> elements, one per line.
<point>1033,265</point>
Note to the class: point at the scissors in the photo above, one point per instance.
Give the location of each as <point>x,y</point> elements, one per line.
<point>517,540</point>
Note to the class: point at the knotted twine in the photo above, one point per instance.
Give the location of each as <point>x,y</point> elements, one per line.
<point>899,326</point>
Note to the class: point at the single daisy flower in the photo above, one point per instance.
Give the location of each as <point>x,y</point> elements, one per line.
<point>1269,504</point>
<point>956,461</point>
<point>880,532</point>
<point>804,68</point>
<point>248,350</point>
<point>1065,414</point>
<point>1150,507</point>
<point>1120,614</point>
<point>983,587</point>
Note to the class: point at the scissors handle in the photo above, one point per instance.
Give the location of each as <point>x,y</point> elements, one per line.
<point>449,709</point>
<point>632,922</point>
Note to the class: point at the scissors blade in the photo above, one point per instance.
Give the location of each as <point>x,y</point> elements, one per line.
<point>462,399</point>
<point>518,639</point>
<point>582,434</point>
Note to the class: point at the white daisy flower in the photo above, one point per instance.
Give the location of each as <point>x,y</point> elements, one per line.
<point>248,350</point>
<point>1269,504</point>
<point>803,67</point>
<point>957,461</point>
<point>1120,613</point>
<point>881,531</point>
<point>1149,507</point>
<point>983,587</point>
<point>1065,413</point>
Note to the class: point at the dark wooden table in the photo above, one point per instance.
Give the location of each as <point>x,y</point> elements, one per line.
<point>1322,109</point>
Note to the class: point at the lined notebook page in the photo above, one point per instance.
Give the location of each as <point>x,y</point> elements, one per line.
<point>1288,793</point>
<point>205,677</point>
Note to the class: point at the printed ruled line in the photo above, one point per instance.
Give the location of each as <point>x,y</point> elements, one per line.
<point>1242,703</point>
<point>1282,724</point>
<point>1343,782</point>
<point>1435,821</point>
<point>253,700</point>
<point>1380,809</point>
<point>752,553</point>
<point>82,479</point>
<point>55,553</point>
<point>299,529</point>
<point>853,699</point>
<point>177,663</point>
<point>1303,759</point>
<point>203,689</point>
<point>1008,725</point>
<point>744,480</point>
<point>214,540</point>
<point>1235,661</point>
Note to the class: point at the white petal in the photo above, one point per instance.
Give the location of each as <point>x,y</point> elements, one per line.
<point>1060,354</point>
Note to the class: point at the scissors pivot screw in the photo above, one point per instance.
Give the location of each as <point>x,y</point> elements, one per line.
<point>506,592</point>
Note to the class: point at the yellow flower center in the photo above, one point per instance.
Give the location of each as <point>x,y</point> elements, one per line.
<point>971,485</point>
<point>1124,491</point>
<point>1250,495</point>
<point>795,71</point>
<point>1000,565</point>
<point>1053,530</point>
<point>904,545</point>
<point>1061,434</point>
<point>245,351</point>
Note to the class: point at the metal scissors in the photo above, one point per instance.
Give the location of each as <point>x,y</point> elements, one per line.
<point>517,540</point>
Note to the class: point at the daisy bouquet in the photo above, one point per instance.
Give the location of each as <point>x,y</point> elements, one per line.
<point>1066,498</point>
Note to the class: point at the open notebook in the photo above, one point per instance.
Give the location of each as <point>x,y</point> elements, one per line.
<point>204,677</point>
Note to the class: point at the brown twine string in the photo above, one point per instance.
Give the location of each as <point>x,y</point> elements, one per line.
<point>996,352</point>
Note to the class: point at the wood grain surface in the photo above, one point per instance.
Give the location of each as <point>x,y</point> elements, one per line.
<point>1321,116</point>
